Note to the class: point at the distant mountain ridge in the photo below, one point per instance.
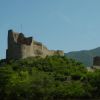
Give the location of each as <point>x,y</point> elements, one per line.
<point>84,56</point>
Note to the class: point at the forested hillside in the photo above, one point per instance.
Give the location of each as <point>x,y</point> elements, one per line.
<point>84,56</point>
<point>50,78</point>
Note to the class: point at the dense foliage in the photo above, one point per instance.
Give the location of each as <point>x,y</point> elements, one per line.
<point>50,78</point>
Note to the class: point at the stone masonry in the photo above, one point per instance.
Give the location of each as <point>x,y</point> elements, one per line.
<point>20,47</point>
<point>96,62</point>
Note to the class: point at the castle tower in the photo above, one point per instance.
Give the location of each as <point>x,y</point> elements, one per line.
<point>19,46</point>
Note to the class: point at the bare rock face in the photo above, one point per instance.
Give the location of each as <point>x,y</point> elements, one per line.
<point>20,47</point>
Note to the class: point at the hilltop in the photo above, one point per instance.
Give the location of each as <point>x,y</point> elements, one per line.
<point>50,78</point>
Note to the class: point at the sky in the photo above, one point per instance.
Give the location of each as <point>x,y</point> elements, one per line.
<point>69,25</point>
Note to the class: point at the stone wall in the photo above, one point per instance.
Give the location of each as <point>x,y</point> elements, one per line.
<point>96,61</point>
<point>20,47</point>
<point>14,50</point>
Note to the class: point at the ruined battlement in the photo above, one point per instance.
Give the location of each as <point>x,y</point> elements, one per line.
<point>20,47</point>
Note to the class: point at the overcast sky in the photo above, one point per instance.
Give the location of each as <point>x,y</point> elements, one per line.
<point>68,25</point>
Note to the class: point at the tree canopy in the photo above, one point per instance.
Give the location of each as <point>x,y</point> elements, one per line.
<point>50,78</point>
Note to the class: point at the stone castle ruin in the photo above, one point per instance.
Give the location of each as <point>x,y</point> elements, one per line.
<point>20,47</point>
<point>96,62</point>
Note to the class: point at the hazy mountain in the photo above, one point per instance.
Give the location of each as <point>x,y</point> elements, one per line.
<point>84,56</point>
